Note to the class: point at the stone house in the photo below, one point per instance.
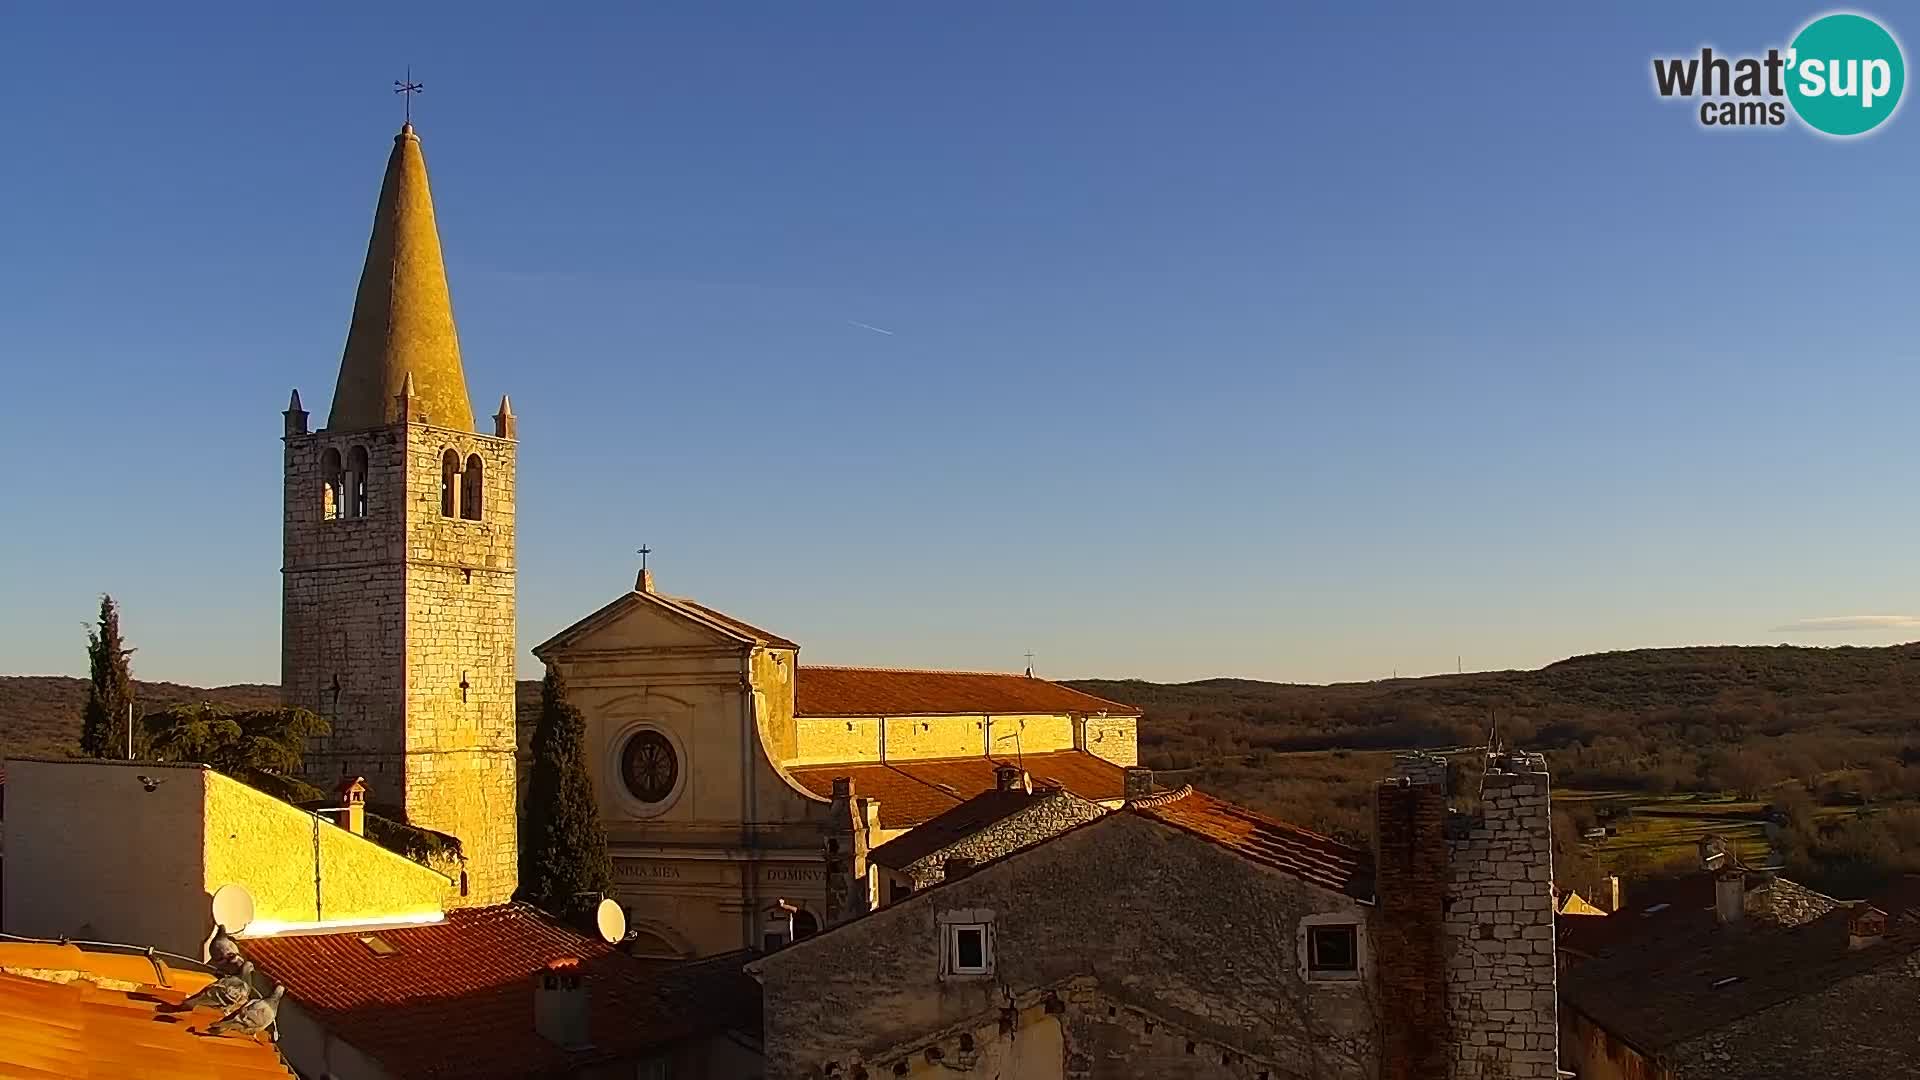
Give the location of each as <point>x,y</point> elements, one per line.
<point>1182,935</point>
<point>1015,814</point>
<point>1736,973</point>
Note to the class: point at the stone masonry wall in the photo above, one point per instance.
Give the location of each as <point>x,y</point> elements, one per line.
<point>398,609</point>
<point>1501,989</point>
<point>1168,932</point>
<point>460,629</point>
<point>1115,738</point>
<point>343,611</point>
<point>1049,816</point>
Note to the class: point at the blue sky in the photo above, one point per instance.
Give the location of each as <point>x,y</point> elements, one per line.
<point>1224,339</point>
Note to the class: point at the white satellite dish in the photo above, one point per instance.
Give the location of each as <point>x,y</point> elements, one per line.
<point>611,921</point>
<point>232,908</point>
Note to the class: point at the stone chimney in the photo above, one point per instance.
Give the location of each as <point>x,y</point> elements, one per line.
<point>352,816</point>
<point>560,1005</point>
<point>1502,993</point>
<point>1866,927</point>
<point>1730,896</point>
<point>957,867</point>
<point>849,892</point>
<point>1138,782</point>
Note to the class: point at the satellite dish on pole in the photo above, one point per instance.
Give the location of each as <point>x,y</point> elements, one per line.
<point>611,921</point>
<point>232,908</point>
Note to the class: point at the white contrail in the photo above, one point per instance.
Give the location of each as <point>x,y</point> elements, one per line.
<point>868,326</point>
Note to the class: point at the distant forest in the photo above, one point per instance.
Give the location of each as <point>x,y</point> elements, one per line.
<point>1784,725</point>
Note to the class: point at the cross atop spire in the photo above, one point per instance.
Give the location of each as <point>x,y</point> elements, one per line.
<point>406,89</point>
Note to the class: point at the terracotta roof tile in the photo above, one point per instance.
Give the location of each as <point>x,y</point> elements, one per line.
<point>82,1028</point>
<point>1319,860</point>
<point>845,691</point>
<point>455,998</point>
<point>912,792</point>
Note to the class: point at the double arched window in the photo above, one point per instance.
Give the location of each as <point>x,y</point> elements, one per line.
<point>472,488</point>
<point>343,484</point>
<point>462,490</point>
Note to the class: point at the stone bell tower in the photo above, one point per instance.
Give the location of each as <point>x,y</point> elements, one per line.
<point>397,619</point>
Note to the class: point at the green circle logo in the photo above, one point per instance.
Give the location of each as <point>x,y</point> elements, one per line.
<point>1845,74</point>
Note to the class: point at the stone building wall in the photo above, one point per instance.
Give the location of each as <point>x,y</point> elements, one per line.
<point>1159,931</point>
<point>1048,816</point>
<point>385,616</point>
<point>460,770</point>
<point>1502,1003</point>
<point>1115,738</point>
<point>343,610</point>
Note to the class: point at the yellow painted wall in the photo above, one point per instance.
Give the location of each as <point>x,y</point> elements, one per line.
<point>267,847</point>
<point>92,854</point>
<point>832,739</point>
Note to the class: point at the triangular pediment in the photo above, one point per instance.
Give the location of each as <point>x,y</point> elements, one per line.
<point>641,620</point>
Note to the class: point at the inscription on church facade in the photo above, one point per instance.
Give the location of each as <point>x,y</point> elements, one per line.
<point>635,870</point>
<point>792,873</point>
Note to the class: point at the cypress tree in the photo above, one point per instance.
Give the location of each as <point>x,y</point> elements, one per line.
<point>103,727</point>
<point>563,850</point>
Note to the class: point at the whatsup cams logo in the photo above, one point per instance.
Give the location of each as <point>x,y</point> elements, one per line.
<point>1842,75</point>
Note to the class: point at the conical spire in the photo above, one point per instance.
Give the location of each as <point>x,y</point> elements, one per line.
<point>402,315</point>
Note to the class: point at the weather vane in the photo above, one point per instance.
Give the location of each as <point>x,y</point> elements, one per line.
<point>407,89</point>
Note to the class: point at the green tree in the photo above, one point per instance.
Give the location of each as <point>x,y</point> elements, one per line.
<point>233,741</point>
<point>103,725</point>
<point>563,850</point>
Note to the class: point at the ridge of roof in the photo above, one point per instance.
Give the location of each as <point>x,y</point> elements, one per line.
<point>1279,845</point>
<point>834,691</point>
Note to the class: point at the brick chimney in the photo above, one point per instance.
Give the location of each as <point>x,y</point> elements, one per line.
<point>1138,782</point>
<point>560,1005</point>
<point>352,793</point>
<point>1409,939</point>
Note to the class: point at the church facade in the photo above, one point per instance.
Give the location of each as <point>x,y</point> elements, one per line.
<point>718,757</point>
<point>397,620</point>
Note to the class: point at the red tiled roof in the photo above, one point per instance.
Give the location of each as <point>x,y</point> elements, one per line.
<point>80,1028</point>
<point>1319,860</point>
<point>844,691</point>
<point>455,999</point>
<point>911,792</point>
